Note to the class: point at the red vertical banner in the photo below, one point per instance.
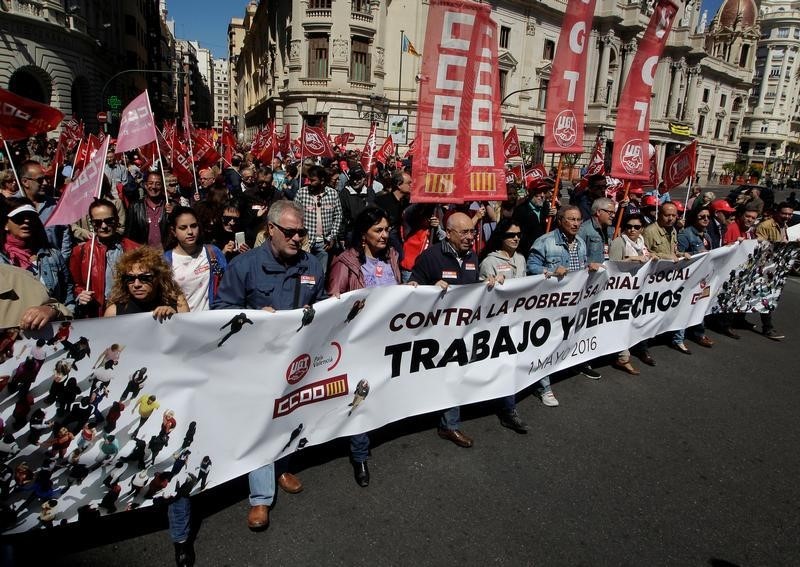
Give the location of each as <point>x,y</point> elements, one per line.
<point>459,144</point>
<point>631,137</point>
<point>566,91</point>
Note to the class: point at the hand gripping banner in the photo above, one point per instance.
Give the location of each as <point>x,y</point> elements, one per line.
<point>566,92</point>
<point>459,154</point>
<point>631,137</point>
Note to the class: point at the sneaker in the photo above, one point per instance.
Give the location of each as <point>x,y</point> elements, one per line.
<point>512,421</point>
<point>549,399</point>
<point>774,335</point>
<point>590,372</point>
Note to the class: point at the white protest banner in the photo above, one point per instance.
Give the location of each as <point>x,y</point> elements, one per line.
<point>252,386</point>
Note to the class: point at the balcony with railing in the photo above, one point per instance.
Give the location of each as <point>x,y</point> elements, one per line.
<point>319,9</point>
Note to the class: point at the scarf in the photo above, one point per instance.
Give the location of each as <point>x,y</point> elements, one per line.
<point>18,253</point>
<point>636,248</point>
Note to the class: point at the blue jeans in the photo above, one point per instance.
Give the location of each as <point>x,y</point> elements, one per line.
<point>543,385</point>
<point>319,252</point>
<point>179,513</point>
<point>262,485</point>
<point>405,276</point>
<point>451,419</point>
<point>695,332</point>
<point>359,447</point>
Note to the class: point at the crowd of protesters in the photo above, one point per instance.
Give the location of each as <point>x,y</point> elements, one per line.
<point>248,232</point>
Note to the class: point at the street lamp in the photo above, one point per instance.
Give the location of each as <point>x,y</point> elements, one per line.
<point>143,71</point>
<point>371,114</point>
<point>505,98</point>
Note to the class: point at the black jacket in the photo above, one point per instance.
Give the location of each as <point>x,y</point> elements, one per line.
<point>136,226</point>
<point>439,262</point>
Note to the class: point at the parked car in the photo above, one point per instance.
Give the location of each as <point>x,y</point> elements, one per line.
<point>767,195</point>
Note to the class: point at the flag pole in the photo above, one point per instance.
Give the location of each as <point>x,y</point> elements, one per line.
<point>400,73</point>
<point>688,192</point>
<point>302,145</point>
<point>194,169</point>
<point>94,234</point>
<point>556,191</point>
<point>11,163</point>
<point>75,161</point>
<point>618,227</point>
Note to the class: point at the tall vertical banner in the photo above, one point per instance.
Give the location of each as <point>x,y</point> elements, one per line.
<point>459,153</point>
<point>566,92</point>
<point>631,137</point>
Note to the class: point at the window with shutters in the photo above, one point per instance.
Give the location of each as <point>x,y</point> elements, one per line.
<point>319,4</point>
<point>318,56</point>
<point>503,83</point>
<point>360,61</point>
<point>505,34</point>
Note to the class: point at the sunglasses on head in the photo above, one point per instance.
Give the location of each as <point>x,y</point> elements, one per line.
<point>146,278</point>
<point>291,232</point>
<point>108,221</point>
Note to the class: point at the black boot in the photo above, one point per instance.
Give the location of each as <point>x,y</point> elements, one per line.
<point>184,554</point>
<point>361,473</point>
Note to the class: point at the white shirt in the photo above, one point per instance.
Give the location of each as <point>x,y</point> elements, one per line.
<point>193,274</point>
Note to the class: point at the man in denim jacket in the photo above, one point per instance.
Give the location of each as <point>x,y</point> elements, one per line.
<point>596,232</point>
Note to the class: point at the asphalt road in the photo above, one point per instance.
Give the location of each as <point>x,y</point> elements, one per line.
<point>694,462</point>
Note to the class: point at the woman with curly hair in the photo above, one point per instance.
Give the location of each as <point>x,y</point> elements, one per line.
<point>143,283</point>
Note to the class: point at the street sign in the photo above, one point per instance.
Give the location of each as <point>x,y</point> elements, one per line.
<point>102,117</point>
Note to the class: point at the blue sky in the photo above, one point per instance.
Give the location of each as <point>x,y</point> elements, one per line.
<point>206,21</point>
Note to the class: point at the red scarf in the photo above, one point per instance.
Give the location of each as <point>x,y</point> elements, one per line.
<point>18,252</point>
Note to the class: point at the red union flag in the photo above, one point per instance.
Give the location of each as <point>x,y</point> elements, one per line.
<point>204,152</point>
<point>137,126</point>
<point>282,141</point>
<point>679,167</point>
<point>597,163</point>
<point>459,145</point>
<point>566,91</point>
<point>629,160</point>
<point>511,144</point>
<point>79,194</point>
<point>21,117</point>
<point>315,142</point>
<point>386,151</point>
<point>343,139</point>
<point>368,153</point>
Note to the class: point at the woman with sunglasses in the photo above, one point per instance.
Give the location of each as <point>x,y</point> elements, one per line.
<point>197,268</point>
<point>499,259</point>
<point>24,244</point>
<point>629,246</point>
<point>367,262</point>
<point>143,283</point>
<point>228,224</point>
<point>92,263</point>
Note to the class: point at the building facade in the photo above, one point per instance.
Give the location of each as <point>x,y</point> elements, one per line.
<point>770,142</point>
<point>340,63</point>
<point>221,92</point>
<point>193,88</point>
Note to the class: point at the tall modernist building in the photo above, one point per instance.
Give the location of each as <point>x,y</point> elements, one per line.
<point>770,138</point>
<point>338,63</point>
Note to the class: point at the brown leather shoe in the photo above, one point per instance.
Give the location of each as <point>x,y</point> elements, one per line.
<point>647,358</point>
<point>456,437</point>
<point>626,367</point>
<point>258,517</point>
<point>290,483</point>
<point>704,341</point>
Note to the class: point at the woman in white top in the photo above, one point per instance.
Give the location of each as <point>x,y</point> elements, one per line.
<point>197,268</point>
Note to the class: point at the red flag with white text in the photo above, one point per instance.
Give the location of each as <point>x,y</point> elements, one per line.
<point>368,153</point>
<point>205,154</point>
<point>631,137</point>
<point>511,144</point>
<point>343,139</point>
<point>459,155</point>
<point>315,142</point>
<point>597,163</point>
<point>21,117</point>
<point>679,167</point>
<point>412,147</point>
<point>284,140</point>
<point>137,126</point>
<point>386,151</point>
<point>566,91</point>
<point>79,194</point>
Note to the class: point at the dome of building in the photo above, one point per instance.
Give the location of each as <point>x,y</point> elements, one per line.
<point>735,11</point>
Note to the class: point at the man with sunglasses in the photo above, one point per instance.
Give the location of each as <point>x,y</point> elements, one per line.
<point>274,276</point>
<point>93,290</point>
<point>36,188</point>
<point>451,262</point>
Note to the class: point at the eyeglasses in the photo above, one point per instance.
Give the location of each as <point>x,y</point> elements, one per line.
<point>633,227</point>
<point>108,221</point>
<point>512,235</point>
<point>464,233</point>
<point>40,179</point>
<point>290,233</point>
<point>226,219</point>
<point>146,278</point>
<point>611,212</point>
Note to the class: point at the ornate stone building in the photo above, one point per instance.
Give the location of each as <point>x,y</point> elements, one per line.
<point>339,62</point>
<point>770,140</point>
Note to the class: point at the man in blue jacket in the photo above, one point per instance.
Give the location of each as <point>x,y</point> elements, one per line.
<point>596,232</point>
<point>277,275</point>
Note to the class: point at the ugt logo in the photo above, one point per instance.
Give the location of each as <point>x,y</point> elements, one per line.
<point>630,156</point>
<point>564,130</point>
<point>313,142</point>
